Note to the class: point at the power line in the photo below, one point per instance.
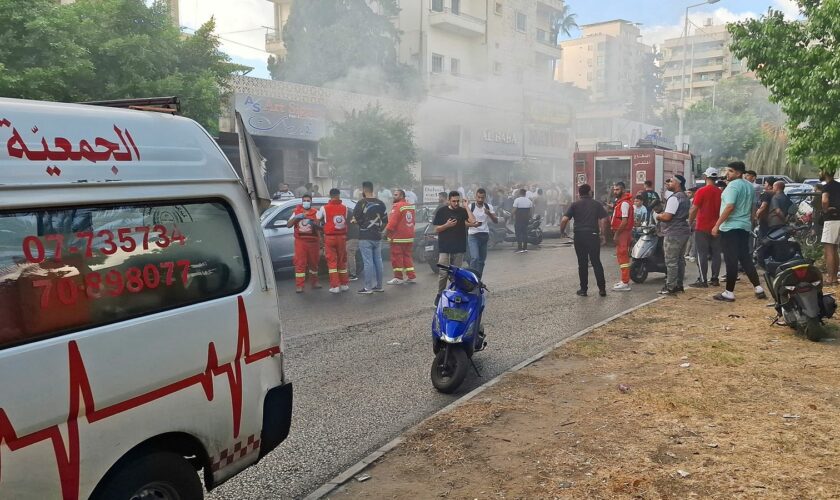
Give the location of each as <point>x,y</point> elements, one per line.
<point>235,42</point>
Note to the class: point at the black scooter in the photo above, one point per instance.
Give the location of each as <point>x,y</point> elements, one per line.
<point>535,233</point>
<point>648,254</point>
<point>794,282</point>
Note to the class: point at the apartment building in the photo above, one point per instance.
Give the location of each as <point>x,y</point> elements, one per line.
<point>707,60</point>
<point>274,38</point>
<point>607,60</point>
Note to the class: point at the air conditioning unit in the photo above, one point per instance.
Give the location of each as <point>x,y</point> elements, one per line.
<point>322,169</point>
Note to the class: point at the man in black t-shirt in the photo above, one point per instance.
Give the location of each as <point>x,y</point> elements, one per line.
<point>831,225</point>
<point>764,206</point>
<point>590,228</point>
<point>451,222</point>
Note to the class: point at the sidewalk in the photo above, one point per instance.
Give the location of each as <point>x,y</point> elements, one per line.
<point>717,404</point>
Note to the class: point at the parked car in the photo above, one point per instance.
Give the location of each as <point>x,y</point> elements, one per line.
<point>760,179</point>
<point>812,182</point>
<point>796,192</point>
<point>281,239</point>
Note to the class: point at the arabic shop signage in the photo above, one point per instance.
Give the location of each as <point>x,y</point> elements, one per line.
<point>281,118</point>
<point>547,141</point>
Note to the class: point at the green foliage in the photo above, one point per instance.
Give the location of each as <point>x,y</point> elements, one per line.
<point>728,125</point>
<point>563,22</point>
<point>109,49</point>
<point>798,61</point>
<point>369,145</point>
<point>326,39</point>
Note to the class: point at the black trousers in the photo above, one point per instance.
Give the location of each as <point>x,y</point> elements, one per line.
<point>588,249</point>
<point>521,230</point>
<point>736,249</point>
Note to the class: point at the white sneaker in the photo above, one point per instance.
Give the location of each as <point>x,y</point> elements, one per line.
<point>344,288</point>
<point>335,290</point>
<point>621,287</point>
<point>411,281</point>
<point>396,281</point>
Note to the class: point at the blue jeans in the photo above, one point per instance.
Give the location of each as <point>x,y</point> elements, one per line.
<point>478,251</point>
<point>372,259</point>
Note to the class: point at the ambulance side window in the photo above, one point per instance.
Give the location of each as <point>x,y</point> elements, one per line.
<point>71,268</point>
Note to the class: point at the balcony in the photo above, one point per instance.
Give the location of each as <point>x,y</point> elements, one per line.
<point>274,44</point>
<point>546,44</point>
<point>457,22</point>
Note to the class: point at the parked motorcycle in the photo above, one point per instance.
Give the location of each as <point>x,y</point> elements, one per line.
<point>794,282</point>
<point>457,330</point>
<point>648,255</point>
<point>535,233</point>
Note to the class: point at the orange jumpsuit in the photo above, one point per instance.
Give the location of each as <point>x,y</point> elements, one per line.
<point>623,237</point>
<point>307,247</point>
<point>400,230</point>
<point>335,241</point>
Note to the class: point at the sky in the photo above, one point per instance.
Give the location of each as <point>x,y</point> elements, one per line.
<point>242,23</point>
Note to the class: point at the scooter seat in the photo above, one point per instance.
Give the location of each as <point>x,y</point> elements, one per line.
<point>795,262</point>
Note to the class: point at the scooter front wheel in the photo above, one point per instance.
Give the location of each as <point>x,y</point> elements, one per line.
<point>638,271</point>
<point>449,369</point>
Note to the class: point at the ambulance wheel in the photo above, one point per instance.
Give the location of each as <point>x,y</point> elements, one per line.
<point>152,476</point>
<point>638,271</point>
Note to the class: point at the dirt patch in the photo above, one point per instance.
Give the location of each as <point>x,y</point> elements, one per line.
<point>685,398</point>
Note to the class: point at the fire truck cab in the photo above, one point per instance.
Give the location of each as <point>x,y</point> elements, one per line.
<point>611,163</point>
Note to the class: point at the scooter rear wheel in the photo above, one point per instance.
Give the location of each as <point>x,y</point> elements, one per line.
<point>447,378</point>
<point>812,329</point>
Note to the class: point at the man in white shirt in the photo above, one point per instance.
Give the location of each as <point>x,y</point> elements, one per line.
<point>479,233</point>
<point>284,193</point>
<point>522,208</point>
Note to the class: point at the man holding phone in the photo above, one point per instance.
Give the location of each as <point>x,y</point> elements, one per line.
<point>451,222</point>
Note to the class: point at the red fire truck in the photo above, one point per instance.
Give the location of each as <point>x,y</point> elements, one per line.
<point>611,163</point>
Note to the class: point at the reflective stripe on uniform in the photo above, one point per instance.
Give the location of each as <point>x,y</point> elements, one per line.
<point>333,271</point>
<point>403,240</point>
<point>622,266</point>
<point>407,207</point>
<point>300,275</point>
<point>409,269</point>
<point>342,271</point>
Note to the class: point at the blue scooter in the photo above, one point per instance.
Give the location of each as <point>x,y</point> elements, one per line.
<point>457,331</point>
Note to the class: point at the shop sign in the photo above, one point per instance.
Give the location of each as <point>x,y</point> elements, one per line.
<point>267,116</point>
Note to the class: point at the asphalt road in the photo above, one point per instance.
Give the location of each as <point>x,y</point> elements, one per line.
<point>360,363</point>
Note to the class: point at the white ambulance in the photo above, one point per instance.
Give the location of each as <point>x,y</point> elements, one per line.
<point>140,345</point>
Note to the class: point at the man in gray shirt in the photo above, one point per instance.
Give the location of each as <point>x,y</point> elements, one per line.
<point>779,206</point>
<point>675,227</point>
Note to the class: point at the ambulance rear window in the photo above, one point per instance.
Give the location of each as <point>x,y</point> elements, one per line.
<point>72,268</point>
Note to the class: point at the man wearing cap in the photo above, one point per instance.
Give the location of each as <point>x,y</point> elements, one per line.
<point>733,227</point>
<point>704,214</point>
<point>675,228</point>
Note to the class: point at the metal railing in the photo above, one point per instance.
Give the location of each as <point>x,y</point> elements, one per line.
<point>447,10</point>
<point>546,38</point>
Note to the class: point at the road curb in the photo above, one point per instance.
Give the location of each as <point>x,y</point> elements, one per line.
<point>332,485</point>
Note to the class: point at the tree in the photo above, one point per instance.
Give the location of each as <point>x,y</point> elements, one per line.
<point>369,145</point>
<point>562,23</point>
<point>727,125</point>
<point>326,39</point>
<point>798,60</point>
<point>110,49</point>
<point>648,91</point>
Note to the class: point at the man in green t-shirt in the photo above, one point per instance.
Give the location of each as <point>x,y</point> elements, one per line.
<point>733,228</point>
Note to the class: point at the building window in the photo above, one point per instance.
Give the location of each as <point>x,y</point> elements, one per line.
<point>600,60</point>
<point>437,63</point>
<point>497,68</point>
<point>521,22</point>
<point>499,8</point>
<point>456,7</point>
<point>455,66</point>
<point>437,5</point>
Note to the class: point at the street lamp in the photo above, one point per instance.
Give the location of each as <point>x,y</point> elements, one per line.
<point>681,110</point>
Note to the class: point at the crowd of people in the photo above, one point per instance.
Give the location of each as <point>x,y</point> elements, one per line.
<point>710,225</point>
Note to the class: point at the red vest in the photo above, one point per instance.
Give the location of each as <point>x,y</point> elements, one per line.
<point>401,222</point>
<point>305,229</point>
<point>335,218</point>
<point>616,218</point>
